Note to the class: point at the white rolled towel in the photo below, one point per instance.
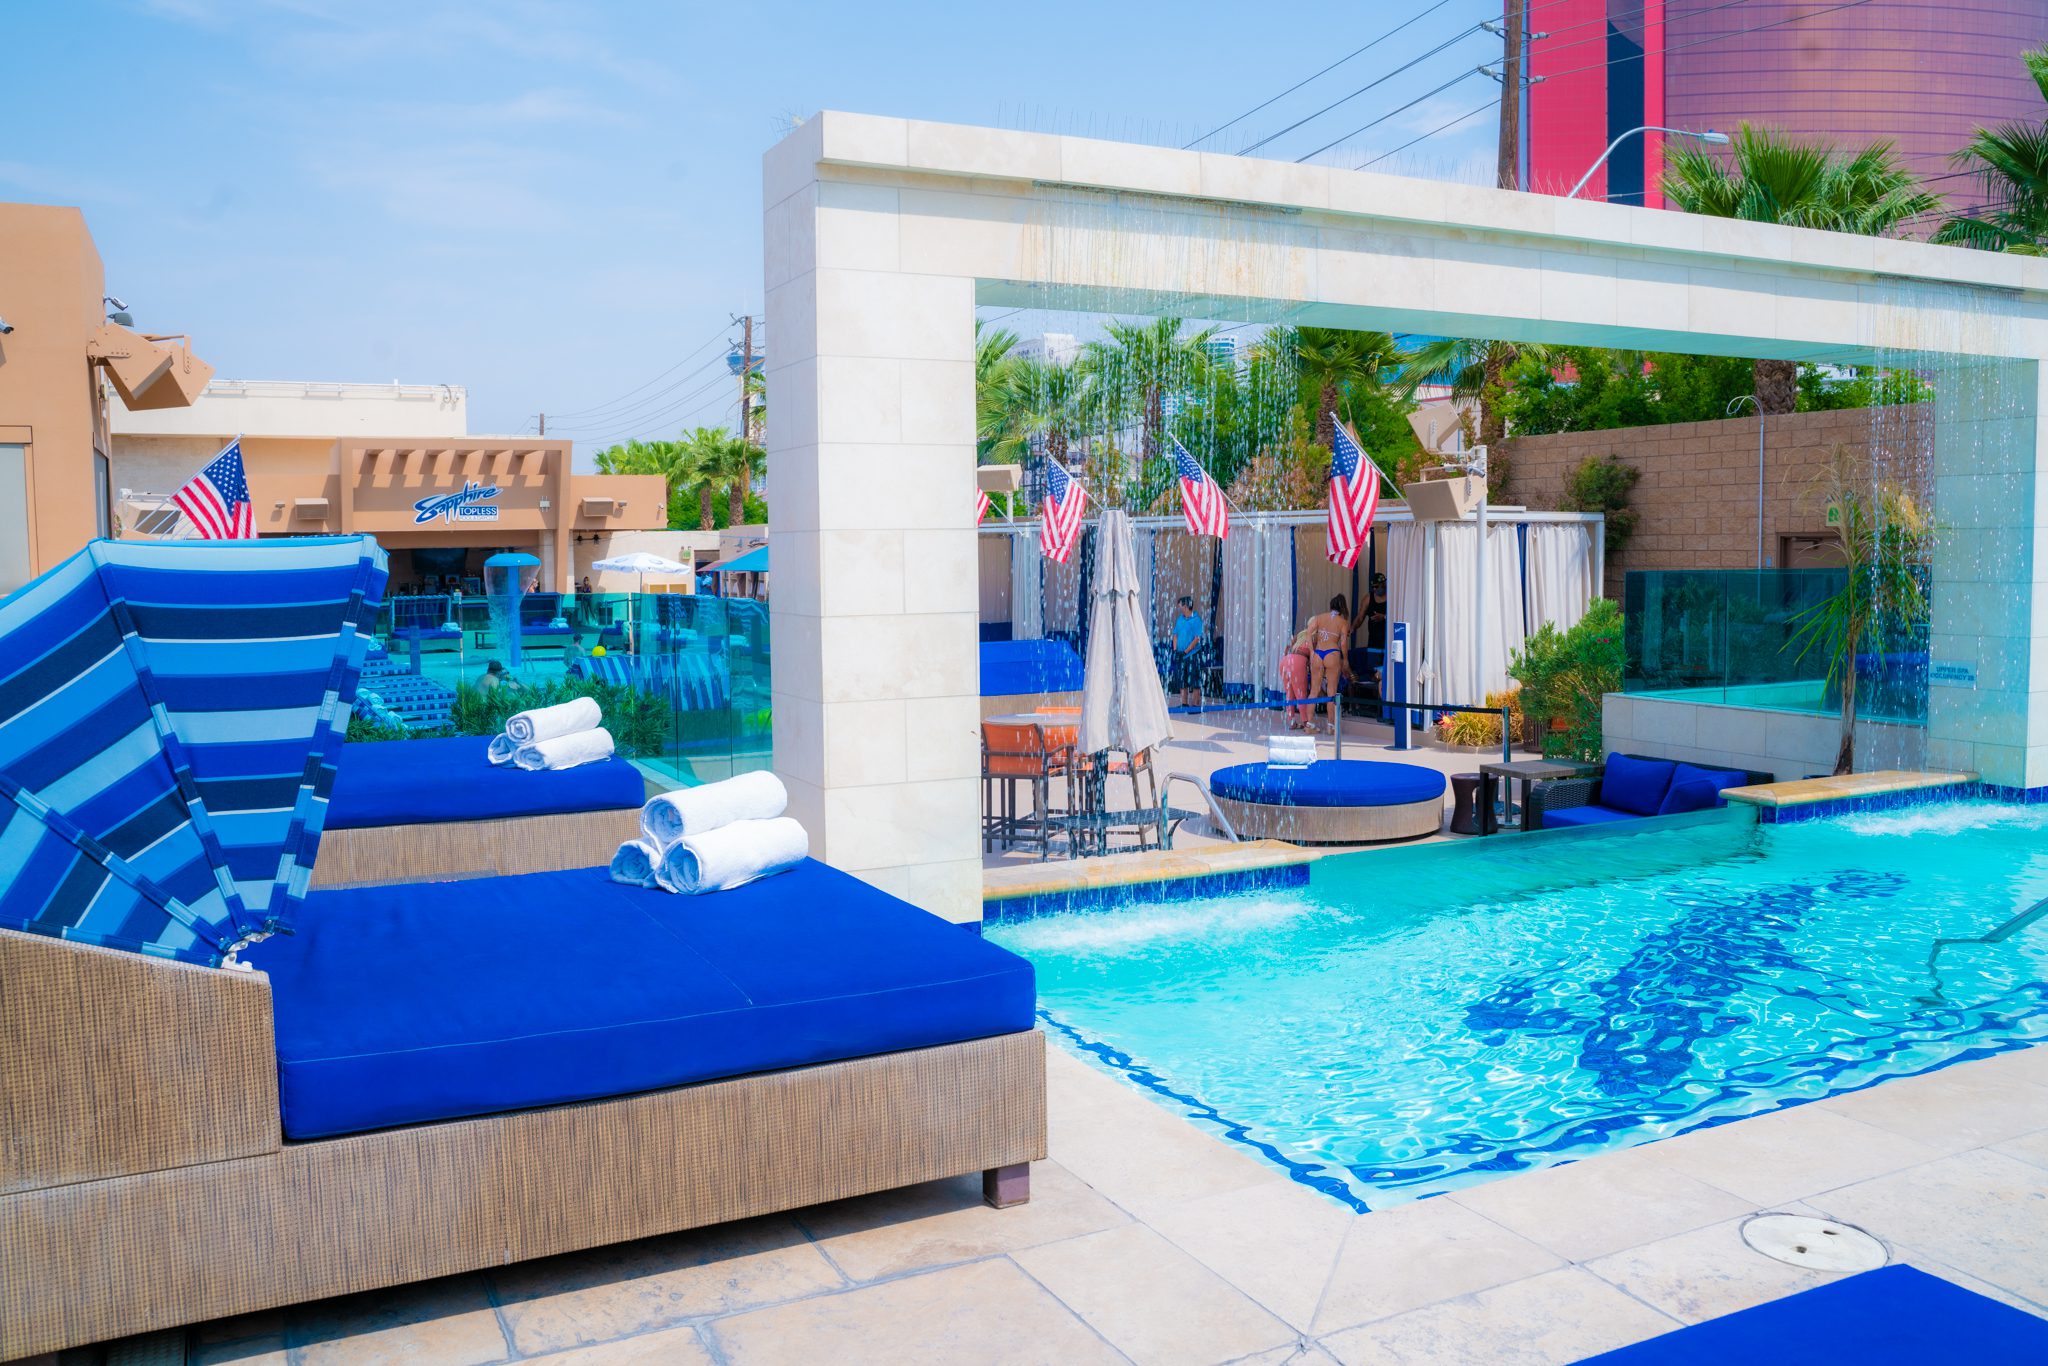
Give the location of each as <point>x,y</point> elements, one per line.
<point>503,747</point>
<point>732,855</point>
<point>635,862</point>
<point>696,810</point>
<point>549,723</point>
<point>565,751</point>
<point>1290,751</point>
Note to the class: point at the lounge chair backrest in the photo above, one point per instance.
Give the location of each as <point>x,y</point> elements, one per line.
<point>170,714</point>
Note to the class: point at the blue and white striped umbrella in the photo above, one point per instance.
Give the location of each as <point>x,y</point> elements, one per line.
<point>170,717</point>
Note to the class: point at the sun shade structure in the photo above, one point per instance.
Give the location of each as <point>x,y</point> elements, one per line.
<point>170,717</point>
<point>1123,705</point>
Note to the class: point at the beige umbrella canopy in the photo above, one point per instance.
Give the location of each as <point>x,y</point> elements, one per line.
<point>1123,704</point>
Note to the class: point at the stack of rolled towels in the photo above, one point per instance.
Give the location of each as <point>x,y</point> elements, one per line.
<point>1290,751</point>
<point>713,838</point>
<point>554,737</point>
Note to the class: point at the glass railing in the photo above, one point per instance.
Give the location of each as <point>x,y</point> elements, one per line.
<point>1729,636</point>
<point>683,678</point>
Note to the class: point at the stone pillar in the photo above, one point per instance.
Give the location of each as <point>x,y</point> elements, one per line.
<point>871,497</point>
<point>1988,562</point>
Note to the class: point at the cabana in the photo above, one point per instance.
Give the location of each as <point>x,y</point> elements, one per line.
<point>1262,583</point>
<point>400,1082</point>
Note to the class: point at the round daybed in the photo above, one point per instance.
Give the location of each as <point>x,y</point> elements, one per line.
<point>1332,801</point>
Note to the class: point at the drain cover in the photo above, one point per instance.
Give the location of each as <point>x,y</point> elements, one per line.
<point>1816,1244</point>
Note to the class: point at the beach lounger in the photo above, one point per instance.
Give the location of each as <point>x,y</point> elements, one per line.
<point>411,810</point>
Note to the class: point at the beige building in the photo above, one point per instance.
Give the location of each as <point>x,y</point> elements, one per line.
<point>66,356</point>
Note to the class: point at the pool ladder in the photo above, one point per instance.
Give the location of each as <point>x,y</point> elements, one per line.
<point>1216,816</point>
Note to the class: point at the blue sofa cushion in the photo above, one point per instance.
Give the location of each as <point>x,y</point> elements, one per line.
<point>1010,667</point>
<point>1696,789</point>
<point>1329,782</point>
<point>424,782</point>
<point>1636,786</point>
<point>1584,815</point>
<point>406,1004</point>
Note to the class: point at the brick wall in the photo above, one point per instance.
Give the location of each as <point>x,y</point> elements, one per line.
<point>1696,501</point>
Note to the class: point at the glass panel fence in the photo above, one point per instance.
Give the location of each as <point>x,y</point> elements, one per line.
<point>682,678</point>
<point>1730,636</point>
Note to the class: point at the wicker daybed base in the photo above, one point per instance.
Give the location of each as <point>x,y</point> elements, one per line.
<point>1333,824</point>
<point>144,1183</point>
<point>447,850</point>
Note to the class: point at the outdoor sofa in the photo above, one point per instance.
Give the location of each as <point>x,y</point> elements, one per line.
<point>222,1092</point>
<point>410,810</point>
<point>1629,787</point>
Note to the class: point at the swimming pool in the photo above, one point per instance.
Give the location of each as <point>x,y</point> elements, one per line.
<point>1407,1022</point>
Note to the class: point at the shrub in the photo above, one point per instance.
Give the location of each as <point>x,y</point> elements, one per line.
<point>1481,728</point>
<point>1565,674</point>
<point>639,724</point>
<point>1602,484</point>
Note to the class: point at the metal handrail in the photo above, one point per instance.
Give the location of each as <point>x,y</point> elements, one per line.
<point>1221,821</point>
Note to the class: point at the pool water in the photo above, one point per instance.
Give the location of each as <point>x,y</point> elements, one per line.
<point>1417,1020</point>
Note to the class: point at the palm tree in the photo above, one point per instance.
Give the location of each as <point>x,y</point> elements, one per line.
<point>1139,364</point>
<point>1332,361</point>
<point>995,372</point>
<point>708,462</point>
<point>1768,178</point>
<point>729,462</point>
<point>679,462</point>
<point>1048,402</point>
<point>2011,162</point>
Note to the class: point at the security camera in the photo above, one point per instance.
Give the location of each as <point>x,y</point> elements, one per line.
<point>6,327</point>
<point>120,305</point>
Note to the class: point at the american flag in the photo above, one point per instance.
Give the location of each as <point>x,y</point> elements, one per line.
<point>980,505</point>
<point>1059,524</point>
<point>1354,497</point>
<point>216,500</point>
<point>1201,499</point>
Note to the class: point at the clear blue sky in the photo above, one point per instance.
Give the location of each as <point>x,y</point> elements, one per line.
<point>552,203</point>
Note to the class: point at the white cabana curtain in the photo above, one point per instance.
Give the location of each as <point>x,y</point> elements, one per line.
<point>1236,622</point>
<point>1560,572</point>
<point>1280,609</point>
<point>1258,604</point>
<point>1027,589</point>
<point>1456,606</point>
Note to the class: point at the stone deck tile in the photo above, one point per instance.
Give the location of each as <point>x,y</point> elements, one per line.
<point>1549,1320</point>
<point>1151,1301</point>
<point>1602,1204</point>
<point>1704,1274</point>
<point>1957,1108</point>
<point>1790,1154</point>
<point>1277,1242</point>
<point>609,1292</point>
<point>1414,1255</point>
<point>665,1347</point>
<point>988,1313</point>
<point>449,1322</point>
<point>942,1222</point>
<point>1803,791</point>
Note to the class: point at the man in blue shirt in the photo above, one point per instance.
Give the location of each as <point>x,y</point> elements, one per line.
<point>1189,656</point>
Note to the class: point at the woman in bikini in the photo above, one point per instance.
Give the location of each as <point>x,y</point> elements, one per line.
<point>1329,637</point>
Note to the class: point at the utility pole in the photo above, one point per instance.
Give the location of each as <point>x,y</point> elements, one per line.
<point>1508,175</point>
<point>543,424</point>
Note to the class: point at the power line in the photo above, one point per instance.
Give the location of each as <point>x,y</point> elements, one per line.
<point>693,354</point>
<point>1356,52</point>
<point>1455,80</point>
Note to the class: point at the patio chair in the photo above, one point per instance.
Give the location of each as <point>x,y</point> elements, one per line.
<point>1013,755</point>
<point>221,1092</point>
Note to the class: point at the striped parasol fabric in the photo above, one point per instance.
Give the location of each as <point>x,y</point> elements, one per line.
<point>170,717</point>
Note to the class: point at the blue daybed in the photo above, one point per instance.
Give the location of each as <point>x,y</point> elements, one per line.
<point>1332,801</point>
<point>401,1082</point>
<point>1630,787</point>
<point>408,810</point>
<point>1022,675</point>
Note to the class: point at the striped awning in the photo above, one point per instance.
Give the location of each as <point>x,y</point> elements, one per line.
<point>170,717</point>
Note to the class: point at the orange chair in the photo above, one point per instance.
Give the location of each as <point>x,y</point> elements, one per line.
<point>1013,754</point>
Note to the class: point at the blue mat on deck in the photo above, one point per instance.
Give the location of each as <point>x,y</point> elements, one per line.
<point>424,782</point>
<point>1895,1316</point>
<point>427,1001</point>
<point>1009,667</point>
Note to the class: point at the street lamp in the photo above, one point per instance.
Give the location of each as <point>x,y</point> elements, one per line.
<point>1719,139</point>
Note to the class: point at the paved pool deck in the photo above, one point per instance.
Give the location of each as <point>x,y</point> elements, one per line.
<point>1149,1240</point>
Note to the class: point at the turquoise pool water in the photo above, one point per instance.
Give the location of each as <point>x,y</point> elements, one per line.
<point>1412,1021</point>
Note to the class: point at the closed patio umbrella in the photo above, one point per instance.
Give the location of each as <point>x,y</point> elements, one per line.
<point>170,717</point>
<point>1123,703</point>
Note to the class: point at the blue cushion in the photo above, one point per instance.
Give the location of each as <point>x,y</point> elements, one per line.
<point>1696,789</point>
<point>1895,1316</point>
<point>1009,667</point>
<point>1329,782</point>
<point>423,782</point>
<point>1585,815</point>
<point>1636,786</point>
<point>404,1004</point>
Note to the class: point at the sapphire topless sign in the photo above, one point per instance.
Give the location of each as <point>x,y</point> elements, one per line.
<point>472,504</point>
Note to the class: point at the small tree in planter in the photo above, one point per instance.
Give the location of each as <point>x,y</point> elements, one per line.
<point>1565,674</point>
